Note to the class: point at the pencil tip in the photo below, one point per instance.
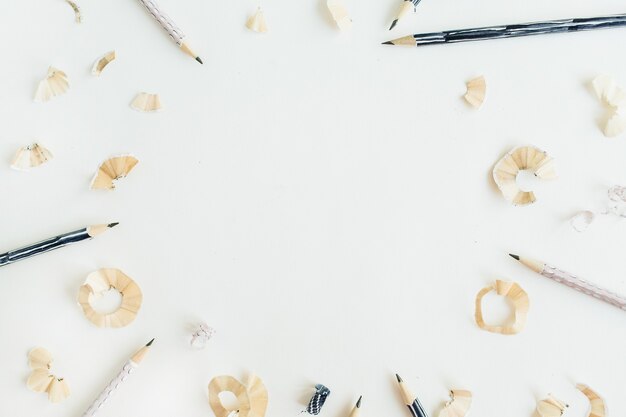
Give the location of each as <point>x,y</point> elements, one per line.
<point>393,24</point>
<point>358,403</point>
<point>516,257</point>
<point>150,342</point>
<point>110,225</point>
<point>387,43</point>
<point>199,60</point>
<point>398,378</point>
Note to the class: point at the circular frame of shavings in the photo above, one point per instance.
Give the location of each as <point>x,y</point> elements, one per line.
<point>520,159</point>
<point>516,295</point>
<point>227,383</point>
<point>101,281</point>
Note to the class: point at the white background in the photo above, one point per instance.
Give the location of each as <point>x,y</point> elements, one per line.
<point>323,201</point>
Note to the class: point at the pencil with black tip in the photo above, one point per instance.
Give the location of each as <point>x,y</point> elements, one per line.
<point>56,242</point>
<point>170,27</point>
<point>572,281</point>
<point>410,400</point>
<point>512,30</point>
<point>408,6</point>
<point>357,408</point>
<point>128,368</point>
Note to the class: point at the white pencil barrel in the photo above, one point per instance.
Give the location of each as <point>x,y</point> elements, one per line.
<point>164,21</point>
<point>128,368</point>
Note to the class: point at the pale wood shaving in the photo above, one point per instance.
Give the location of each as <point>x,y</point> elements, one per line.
<point>53,85</point>
<point>550,407</point>
<point>77,15</point>
<point>339,14</point>
<point>146,102</point>
<point>102,62</point>
<point>476,91</point>
<point>112,170</point>
<point>459,404</point>
<point>41,380</point>
<point>30,156</point>
<point>598,407</point>
<point>257,23</point>
<point>251,399</point>
<point>518,298</point>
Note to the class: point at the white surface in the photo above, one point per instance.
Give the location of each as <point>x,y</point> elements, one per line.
<point>323,201</point>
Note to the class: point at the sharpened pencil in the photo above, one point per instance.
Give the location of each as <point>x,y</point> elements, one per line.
<point>410,400</point>
<point>407,7</point>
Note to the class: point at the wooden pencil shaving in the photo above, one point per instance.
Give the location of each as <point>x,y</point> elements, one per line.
<point>598,407</point>
<point>30,156</point>
<point>251,399</point>
<point>257,23</point>
<point>581,220</point>
<point>459,404</point>
<point>146,102</point>
<point>518,298</point>
<point>112,170</point>
<point>102,62</point>
<point>339,14</point>
<point>476,92</point>
<point>101,281</point>
<point>519,159</point>
<point>41,380</point>
<point>53,85</point>
<point>551,407</point>
<point>614,97</point>
<point>77,16</point>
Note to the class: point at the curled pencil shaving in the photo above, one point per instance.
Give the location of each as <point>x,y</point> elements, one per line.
<point>616,206</point>
<point>146,102</point>
<point>520,159</point>
<point>111,170</point>
<point>102,62</point>
<point>614,97</point>
<point>53,85</point>
<point>596,403</point>
<point>459,404</point>
<point>41,380</point>
<point>101,281</point>
<point>251,398</point>
<point>339,14</point>
<point>476,91</point>
<point>257,23</point>
<point>317,400</point>
<point>77,16</point>
<point>30,156</point>
<point>581,220</point>
<point>201,336</point>
<point>551,407</point>
<point>518,298</point>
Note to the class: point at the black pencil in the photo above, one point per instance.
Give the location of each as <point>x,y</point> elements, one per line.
<point>512,31</point>
<point>410,400</point>
<point>54,243</point>
<point>407,7</point>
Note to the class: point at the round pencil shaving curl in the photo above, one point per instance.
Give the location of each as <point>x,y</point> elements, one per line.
<point>102,280</point>
<point>251,399</point>
<point>614,97</point>
<point>476,91</point>
<point>581,220</point>
<point>518,298</point>
<point>53,85</point>
<point>257,23</point>
<point>598,407</point>
<point>102,62</point>
<point>339,14</point>
<point>459,404</point>
<point>519,159</point>
<point>551,407</point>
<point>147,103</point>
<point>112,170</point>
<point>77,15</point>
<point>30,156</point>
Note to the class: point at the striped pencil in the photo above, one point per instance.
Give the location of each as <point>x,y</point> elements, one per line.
<point>512,31</point>
<point>410,400</point>
<point>408,6</point>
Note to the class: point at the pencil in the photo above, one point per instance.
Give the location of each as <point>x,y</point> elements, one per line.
<point>170,27</point>
<point>572,281</point>
<point>54,243</point>
<point>128,368</point>
<point>407,7</point>
<point>410,400</point>
<point>357,408</point>
<point>512,30</point>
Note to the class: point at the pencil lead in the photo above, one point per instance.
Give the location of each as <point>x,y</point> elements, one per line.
<point>199,60</point>
<point>110,225</point>
<point>358,403</point>
<point>150,342</point>
<point>387,43</point>
<point>393,24</point>
<point>398,378</point>
<point>516,257</point>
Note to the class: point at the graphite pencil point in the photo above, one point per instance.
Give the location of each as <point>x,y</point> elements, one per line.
<point>387,43</point>
<point>199,60</point>
<point>398,378</point>
<point>110,225</point>
<point>516,257</point>
<point>150,342</point>
<point>393,24</point>
<point>358,403</point>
